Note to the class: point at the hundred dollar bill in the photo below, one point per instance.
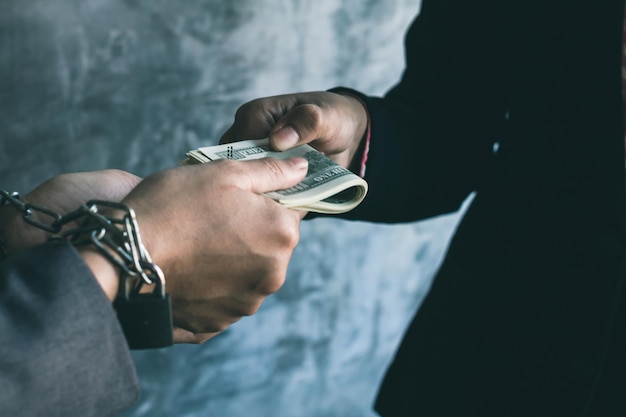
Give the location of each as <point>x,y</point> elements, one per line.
<point>327,187</point>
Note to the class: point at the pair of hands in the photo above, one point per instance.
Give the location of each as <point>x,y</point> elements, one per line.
<point>223,247</point>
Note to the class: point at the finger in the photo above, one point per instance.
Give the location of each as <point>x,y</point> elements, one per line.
<point>185,336</point>
<point>303,124</point>
<point>66,192</point>
<point>254,120</point>
<point>238,132</point>
<point>108,184</point>
<point>271,174</point>
<point>228,136</point>
<point>125,182</point>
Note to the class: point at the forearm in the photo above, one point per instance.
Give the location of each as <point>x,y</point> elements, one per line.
<point>17,235</point>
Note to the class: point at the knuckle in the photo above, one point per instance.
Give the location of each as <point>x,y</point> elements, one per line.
<point>60,179</point>
<point>313,116</point>
<point>201,324</point>
<point>244,111</point>
<point>268,280</point>
<point>275,285</point>
<point>224,170</point>
<point>293,237</point>
<point>219,327</point>
<point>272,284</point>
<point>226,164</point>
<point>288,231</point>
<point>274,167</point>
<point>249,112</point>
<point>210,327</point>
<point>250,309</point>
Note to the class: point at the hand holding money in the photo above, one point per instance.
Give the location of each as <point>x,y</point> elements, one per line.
<point>327,187</point>
<point>221,244</point>
<point>332,122</point>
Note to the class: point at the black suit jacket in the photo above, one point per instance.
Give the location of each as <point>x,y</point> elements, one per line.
<point>519,101</point>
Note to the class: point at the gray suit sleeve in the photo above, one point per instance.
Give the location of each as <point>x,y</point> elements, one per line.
<point>62,351</point>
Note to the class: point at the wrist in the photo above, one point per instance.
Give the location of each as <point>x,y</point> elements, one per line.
<point>360,144</point>
<point>112,249</point>
<point>107,275</point>
<point>15,233</point>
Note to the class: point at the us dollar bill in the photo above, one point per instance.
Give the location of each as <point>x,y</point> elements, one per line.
<point>327,188</point>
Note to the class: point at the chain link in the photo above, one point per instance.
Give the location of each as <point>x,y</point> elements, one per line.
<point>117,238</point>
<point>28,210</point>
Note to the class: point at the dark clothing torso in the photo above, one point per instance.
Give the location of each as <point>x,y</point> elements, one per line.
<point>519,102</point>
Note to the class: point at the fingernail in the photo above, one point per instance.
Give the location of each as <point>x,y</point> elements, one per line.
<point>286,137</point>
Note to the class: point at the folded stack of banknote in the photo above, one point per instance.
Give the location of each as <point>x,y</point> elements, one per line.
<point>327,187</point>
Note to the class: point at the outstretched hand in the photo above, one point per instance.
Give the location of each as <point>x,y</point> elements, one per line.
<point>332,123</point>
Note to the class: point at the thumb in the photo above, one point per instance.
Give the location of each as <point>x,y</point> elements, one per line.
<point>302,124</point>
<point>271,174</point>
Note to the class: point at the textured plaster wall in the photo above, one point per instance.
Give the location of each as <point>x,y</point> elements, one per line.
<point>89,84</point>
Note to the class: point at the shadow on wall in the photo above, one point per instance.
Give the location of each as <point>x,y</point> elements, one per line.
<point>318,347</point>
<point>134,84</point>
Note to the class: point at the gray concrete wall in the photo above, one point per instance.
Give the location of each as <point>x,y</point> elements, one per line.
<point>134,84</point>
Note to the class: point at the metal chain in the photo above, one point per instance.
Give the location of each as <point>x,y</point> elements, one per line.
<point>28,210</point>
<point>116,238</point>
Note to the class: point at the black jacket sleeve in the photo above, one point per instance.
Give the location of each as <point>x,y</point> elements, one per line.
<point>432,135</point>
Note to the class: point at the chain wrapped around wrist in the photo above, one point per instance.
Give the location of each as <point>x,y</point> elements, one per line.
<point>145,316</point>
